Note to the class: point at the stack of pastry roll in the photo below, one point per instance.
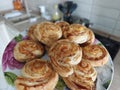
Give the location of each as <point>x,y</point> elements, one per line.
<point>64,54</point>
<point>27,50</point>
<point>37,75</point>
<point>48,33</point>
<point>83,77</point>
<point>67,58</point>
<point>95,54</point>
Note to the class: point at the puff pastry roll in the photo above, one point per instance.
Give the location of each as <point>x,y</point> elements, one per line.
<point>85,69</point>
<point>48,33</point>
<point>37,75</point>
<point>83,77</point>
<point>77,33</point>
<point>97,55</point>
<point>27,50</point>
<point>64,25</point>
<point>63,55</point>
<point>91,38</point>
<point>75,82</point>
<point>30,33</point>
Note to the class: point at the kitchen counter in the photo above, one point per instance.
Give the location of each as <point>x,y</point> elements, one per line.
<point>22,22</point>
<point>25,25</point>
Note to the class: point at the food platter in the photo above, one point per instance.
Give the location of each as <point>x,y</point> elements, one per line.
<point>12,68</point>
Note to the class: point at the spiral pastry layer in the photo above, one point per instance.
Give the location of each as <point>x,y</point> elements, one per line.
<point>77,33</point>
<point>48,33</point>
<point>75,82</point>
<point>30,33</point>
<point>83,77</point>
<point>37,75</point>
<point>27,50</point>
<point>63,55</point>
<point>64,25</point>
<point>85,69</point>
<point>91,38</point>
<point>97,55</point>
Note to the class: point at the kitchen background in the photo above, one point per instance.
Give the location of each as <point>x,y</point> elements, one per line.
<point>104,14</point>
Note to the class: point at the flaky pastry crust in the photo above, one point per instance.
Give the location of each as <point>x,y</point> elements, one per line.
<point>37,75</point>
<point>27,50</point>
<point>77,33</point>
<point>30,33</point>
<point>63,55</point>
<point>48,33</point>
<point>97,55</point>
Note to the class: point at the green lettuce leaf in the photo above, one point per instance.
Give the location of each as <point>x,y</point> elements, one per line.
<point>18,38</point>
<point>106,84</point>
<point>10,77</point>
<point>60,85</point>
<point>100,44</point>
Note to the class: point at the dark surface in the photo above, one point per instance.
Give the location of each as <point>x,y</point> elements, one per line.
<point>111,45</point>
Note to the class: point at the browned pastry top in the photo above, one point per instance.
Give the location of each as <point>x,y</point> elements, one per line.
<point>85,69</point>
<point>30,33</point>
<point>77,33</point>
<point>63,55</point>
<point>64,25</point>
<point>37,75</point>
<point>91,38</point>
<point>27,50</point>
<point>94,52</point>
<point>75,82</point>
<point>48,33</point>
<point>65,52</point>
<point>37,69</point>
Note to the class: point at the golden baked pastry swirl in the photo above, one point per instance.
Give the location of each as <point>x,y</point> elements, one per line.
<point>77,33</point>
<point>48,33</point>
<point>64,25</point>
<point>85,69</point>
<point>36,69</point>
<point>27,50</point>
<point>75,82</point>
<point>30,33</point>
<point>63,55</point>
<point>83,77</point>
<point>37,75</point>
<point>91,38</point>
<point>97,55</point>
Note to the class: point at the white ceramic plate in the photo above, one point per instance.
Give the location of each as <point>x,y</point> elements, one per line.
<point>11,68</point>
